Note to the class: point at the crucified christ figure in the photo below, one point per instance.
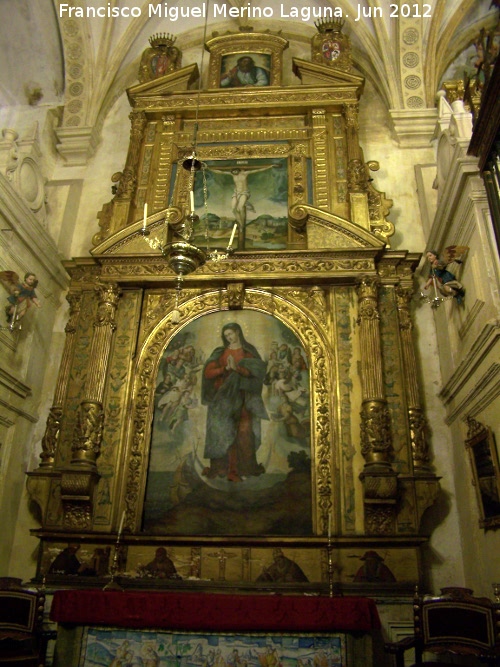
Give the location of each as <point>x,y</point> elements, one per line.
<point>241,193</point>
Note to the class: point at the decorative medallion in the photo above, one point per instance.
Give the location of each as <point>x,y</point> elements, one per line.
<point>162,58</point>
<point>330,46</point>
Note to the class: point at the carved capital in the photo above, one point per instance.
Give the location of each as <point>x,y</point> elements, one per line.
<point>367,287</point>
<point>88,433</point>
<point>75,301</point>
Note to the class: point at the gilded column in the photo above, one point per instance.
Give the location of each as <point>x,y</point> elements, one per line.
<point>378,477</point>
<point>417,421</point>
<point>50,439</point>
<point>87,441</point>
<point>79,479</point>
<point>376,445</point>
<point>321,185</point>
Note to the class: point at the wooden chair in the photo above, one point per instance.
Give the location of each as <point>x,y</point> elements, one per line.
<point>23,641</point>
<point>454,623</point>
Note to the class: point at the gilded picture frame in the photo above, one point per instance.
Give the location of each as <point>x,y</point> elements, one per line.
<point>486,472</point>
<point>265,50</point>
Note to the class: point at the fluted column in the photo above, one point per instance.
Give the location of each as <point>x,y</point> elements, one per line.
<point>376,445</point>
<point>88,433</point>
<point>78,481</point>
<point>50,439</point>
<point>416,419</point>
<point>378,477</point>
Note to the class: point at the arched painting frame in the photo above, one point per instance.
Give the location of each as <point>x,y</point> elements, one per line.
<point>274,497</point>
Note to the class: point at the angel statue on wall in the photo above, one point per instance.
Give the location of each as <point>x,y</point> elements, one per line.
<point>444,282</point>
<point>21,297</point>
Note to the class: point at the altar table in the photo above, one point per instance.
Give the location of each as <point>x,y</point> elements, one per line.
<point>83,615</point>
<point>215,612</point>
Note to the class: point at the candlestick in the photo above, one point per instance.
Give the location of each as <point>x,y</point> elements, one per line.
<point>435,287</point>
<point>329,526</point>
<point>145,216</point>
<point>191,200</point>
<point>232,234</point>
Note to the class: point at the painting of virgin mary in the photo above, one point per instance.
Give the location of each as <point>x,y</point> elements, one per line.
<point>231,431</point>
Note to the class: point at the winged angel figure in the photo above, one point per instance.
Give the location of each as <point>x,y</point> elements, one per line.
<point>444,281</point>
<point>22,294</point>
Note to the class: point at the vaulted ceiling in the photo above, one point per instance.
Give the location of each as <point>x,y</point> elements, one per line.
<point>54,56</point>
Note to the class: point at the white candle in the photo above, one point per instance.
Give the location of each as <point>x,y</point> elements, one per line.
<point>435,286</point>
<point>191,200</point>
<point>121,524</point>
<point>329,526</point>
<point>145,216</point>
<point>233,233</point>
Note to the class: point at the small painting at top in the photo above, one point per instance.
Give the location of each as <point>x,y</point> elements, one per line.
<point>241,70</point>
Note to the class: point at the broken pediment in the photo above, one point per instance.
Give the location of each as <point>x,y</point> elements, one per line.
<point>312,74</point>
<point>174,82</point>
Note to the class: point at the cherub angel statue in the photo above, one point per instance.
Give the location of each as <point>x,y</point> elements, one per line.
<point>444,281</point>
<point>21,297</point>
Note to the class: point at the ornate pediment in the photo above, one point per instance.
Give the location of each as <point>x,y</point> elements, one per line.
<point>327,230</point>
<point>174,82</point>
<point>312,74</point>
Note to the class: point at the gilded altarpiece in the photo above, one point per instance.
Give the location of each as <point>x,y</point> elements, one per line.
<point>332,406</point>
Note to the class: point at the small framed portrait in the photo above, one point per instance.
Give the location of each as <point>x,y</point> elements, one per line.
<point>246,60</point>
<point>244,70</point>
<point>486,473</point>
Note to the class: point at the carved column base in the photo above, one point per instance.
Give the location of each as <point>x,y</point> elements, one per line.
<point>77,493</point>
<point>380,498</point>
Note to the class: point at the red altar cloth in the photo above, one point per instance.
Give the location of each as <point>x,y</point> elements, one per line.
<point>215,612</point>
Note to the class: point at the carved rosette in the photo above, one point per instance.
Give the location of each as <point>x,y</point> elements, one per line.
<point>50,439</point>
<point>417,422</point>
